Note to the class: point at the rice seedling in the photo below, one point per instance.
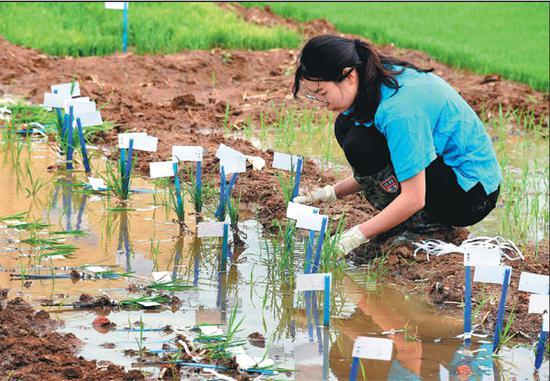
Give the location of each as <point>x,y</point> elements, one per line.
<point>154,250</point>
<point>134,302</point>
<point>196,190</point>
<point>283,245</point>
<point>119,179</point>
<point>331,260</point>
<point>177,197</point>
<point>506,334</point>
<point>410,332</point>
<point>233,211</point>
<point>172,286</point>
<point>17,216</point>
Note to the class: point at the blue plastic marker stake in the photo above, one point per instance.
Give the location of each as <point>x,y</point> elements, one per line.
<point>501,306</point>
<point>178,188</point>
<point>58,112</point>
<point>122,163</point>
<point>224,245</point>
<point>64,131</point>
<point>540,349</point>
<point>220,211</point>
<point>125,27</point>
<point>83,146</point>
<point>309,252</point>
<point>71,116</point>
<point>320,241</point>
<point>326,304</point>
<point>198,180</point>
<point>467,304</point>
<point>297,178</point>
<point>128,169</point>
<point>354,369</point>
<point>70,142</point>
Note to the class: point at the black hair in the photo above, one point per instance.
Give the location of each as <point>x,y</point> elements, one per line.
<point>324,58</point>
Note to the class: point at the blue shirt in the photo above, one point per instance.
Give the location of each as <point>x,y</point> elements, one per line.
<point>427,118</point>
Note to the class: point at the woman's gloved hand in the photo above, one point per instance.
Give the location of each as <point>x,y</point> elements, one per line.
<point>350,240</point>
<point>325,195</point>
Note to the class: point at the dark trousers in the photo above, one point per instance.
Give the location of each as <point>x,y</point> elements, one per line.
<point>446,203</point>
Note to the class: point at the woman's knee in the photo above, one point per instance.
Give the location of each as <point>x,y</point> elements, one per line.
<point>366,150</point>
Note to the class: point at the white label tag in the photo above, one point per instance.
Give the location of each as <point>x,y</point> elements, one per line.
<point>161,169</point>
<point>311,221</point>
<point>90,119</point>
<point>373,348</point>
<point>538,304</point>
<point>210,229</point>
<point>124,138</point>
<point>444,374</point>
<point>116,5</point>
<point>210,330</point>
<point>545,322</point>
<point>295,210</point>
<point>53,100</point>
<point>285,161</point>
<point>67,90</point>
<point>311,282</point>
<point>187,153</point>
<point>490,274</point>
<point>97,183</point>
<point>224,152</point>
<point>233,165</point>
<point>476,256</point>
<point>141,142</point>
<point>534,283</point>
<point>162,276</point>
<point>80,105</point>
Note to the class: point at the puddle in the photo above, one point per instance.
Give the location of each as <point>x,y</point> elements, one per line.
<point>290,323</point>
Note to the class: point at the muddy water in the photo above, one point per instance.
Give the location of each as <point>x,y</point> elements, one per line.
<point>290,323</point>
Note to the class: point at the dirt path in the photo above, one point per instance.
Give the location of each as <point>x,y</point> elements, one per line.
<point>182,98</point>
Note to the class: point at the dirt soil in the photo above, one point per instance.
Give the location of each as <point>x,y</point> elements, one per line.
<point>182,98</point>
<point>30,350</point>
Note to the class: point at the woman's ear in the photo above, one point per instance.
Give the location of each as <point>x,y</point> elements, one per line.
<point>352,76</point>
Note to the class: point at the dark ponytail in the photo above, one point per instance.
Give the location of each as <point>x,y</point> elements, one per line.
<point>323,58</point>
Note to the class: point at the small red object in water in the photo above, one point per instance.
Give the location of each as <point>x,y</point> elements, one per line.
<point>101,321</point>
<point>463,369</point>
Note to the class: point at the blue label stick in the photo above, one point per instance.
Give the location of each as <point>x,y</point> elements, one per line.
<point>501,308</point>
<point>320,242</point>
<point>83,146</point>
<point>198,181</point>
<point>128,169</point>
<point>297,178</point>
<point>177,185</point>
<point>125,27</point>
<point>354,369</point>
<point>326,305</point>
<point>224,245</point>
<point>540,349</point>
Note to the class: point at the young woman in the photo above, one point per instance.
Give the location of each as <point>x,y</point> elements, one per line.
<point>418,152</point>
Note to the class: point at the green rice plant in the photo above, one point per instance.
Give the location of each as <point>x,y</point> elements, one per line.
<point>154,250</point>
<point>286,182</point>
<point>154,28</point>
<point>134,302</point>
<point>177,207</point>
<point>197,196</point>
<point>506,334</point>
<point>331,260</point>
<point>36,184</point>
<point>115,178</point>
<point>72,233</point>
<point>172,286</point>
<point>221,343</point>
<point>233,206</point>
<point>16,216</point>
<point>283,245</point>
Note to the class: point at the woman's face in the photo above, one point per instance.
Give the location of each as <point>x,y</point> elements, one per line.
<point>336,96</point>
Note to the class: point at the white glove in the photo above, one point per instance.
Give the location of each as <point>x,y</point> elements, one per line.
<point>351,239</point>
<point>325,194</point>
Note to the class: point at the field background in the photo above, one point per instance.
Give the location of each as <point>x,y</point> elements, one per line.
<point>510,39</point>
